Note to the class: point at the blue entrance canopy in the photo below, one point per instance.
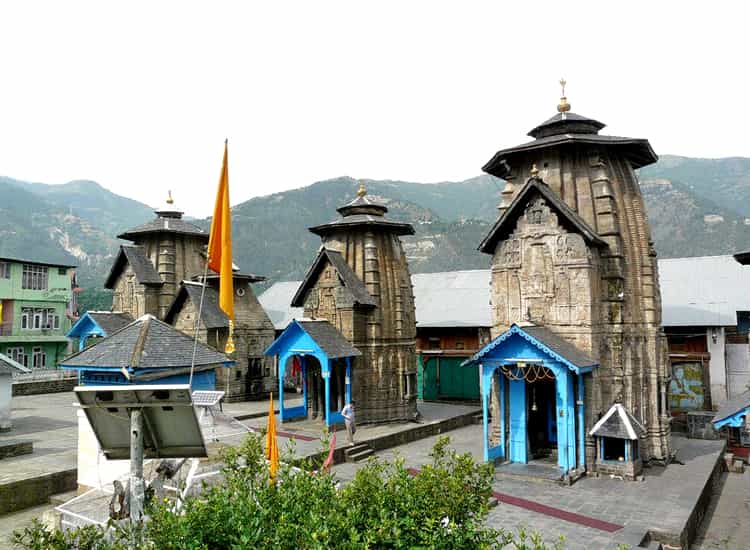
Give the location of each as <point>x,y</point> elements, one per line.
<point>532,343</point>
<point>517,358</point>
<point>319,339</point>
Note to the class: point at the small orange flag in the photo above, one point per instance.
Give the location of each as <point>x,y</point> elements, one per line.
<point>272,447</point>
<point>220,248</point>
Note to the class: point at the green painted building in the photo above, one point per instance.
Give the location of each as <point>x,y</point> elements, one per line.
<point>36,307</point>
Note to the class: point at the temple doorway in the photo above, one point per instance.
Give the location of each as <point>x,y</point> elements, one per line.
<point>541,399</point>
<point>314,388</point>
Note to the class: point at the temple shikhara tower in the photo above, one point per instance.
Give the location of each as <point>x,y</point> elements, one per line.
<point>575,303</point>
<point>359,336</point>
<point>161,274</point>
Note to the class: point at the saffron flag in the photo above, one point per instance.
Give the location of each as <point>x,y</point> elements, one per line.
<point>272,447</point>
<point>220,248</point>
<point>329,459</point>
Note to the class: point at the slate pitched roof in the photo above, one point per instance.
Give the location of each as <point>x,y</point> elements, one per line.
<point>356,220</point>
<point>211,314</point>
<point>164,224</point>
<point>732,407</point>
<point>541,337</point>
<point>144,270</point>
<point>618,423</point>
<point>146,343</point>
<point>9,366</point>
<point>561,346</point>
<point>563,123</point>
<point>505,225</point>
<point>330,340</point>
<point>110,321</point>
<point>570,128</point>
<point>348,277</point>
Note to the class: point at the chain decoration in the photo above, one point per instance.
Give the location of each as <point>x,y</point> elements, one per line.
<point>528,371</point>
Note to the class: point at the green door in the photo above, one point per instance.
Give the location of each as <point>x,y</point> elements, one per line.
<point>429,379</point>
<point>457,382</point>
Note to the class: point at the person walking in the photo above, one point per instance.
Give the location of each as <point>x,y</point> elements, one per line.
<point>351,428</point>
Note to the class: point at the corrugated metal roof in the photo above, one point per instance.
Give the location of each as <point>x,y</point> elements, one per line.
<point>452,298</point>
<point>703,291</point>
<point>276,301</point>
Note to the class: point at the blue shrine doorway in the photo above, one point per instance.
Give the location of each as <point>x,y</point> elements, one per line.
<point>321,358</point>
<point>532,389</point>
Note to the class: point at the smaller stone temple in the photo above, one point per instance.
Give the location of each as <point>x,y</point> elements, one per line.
<point>161,274</point>
<point>253,375</point>
<point>360,284</point>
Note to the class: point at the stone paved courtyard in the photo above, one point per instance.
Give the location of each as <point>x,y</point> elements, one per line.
<point>662,501</point>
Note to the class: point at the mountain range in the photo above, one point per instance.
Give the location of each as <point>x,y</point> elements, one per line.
<point>695,207</point>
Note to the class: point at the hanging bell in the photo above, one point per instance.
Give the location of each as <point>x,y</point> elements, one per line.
<point>533,400</point>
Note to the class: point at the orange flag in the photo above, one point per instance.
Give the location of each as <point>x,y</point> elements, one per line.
<point>220,248</point>
<point>272,447</point>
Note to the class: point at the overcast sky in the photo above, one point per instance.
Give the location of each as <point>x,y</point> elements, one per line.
<point>140,96</point>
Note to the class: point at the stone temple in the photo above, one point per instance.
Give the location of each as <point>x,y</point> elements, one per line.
<point>359,284</point>
<point>575,301</point>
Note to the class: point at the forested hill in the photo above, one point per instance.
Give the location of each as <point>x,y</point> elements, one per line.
<point>695,206</point>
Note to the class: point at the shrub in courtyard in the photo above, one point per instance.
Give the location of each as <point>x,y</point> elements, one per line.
<point>385,506</point>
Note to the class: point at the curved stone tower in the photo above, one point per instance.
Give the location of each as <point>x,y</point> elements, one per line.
<point>370,301</point>
<point>165,251</point>
<point>572,251</point>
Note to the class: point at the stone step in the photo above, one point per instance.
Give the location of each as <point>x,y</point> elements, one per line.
<point>356,448</point>
<point>62,498</point>
<point>360,456</point>
<point>477,418</point>
<point>16,447</point>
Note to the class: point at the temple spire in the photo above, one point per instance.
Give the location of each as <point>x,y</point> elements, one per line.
<point>362,191</point>
<point>563,106</point>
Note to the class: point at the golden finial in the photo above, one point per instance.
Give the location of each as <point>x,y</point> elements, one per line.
<point>563,106</point>
<point>362,191</point>
<point>534,171</point>
<point>170,200</point>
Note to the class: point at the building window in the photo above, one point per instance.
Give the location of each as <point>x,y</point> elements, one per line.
<point>459,345</point>
<point>433,343</point>
<point>34,277</point>
<point>39,318</point>
<point>39,358</point>
<point>18,355</point>
<point>62,270</point>
<point>4,270</point>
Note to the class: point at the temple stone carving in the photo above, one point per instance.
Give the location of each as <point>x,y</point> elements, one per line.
<point>572,252</point>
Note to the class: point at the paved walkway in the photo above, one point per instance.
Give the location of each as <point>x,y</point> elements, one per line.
<point>663,501</point>
<point>50,421</point>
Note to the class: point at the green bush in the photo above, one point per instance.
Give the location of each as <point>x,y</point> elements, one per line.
<point>385,506</point>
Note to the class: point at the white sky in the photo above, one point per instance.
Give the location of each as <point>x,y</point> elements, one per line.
<point>140,96</point>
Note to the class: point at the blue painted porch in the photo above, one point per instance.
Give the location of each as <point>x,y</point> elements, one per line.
<point>532,389</point>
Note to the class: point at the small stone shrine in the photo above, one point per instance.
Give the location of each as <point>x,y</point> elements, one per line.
<point>616,436</point>
<point>360,284</point>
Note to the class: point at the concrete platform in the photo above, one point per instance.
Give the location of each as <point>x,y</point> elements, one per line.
<point>49,422</point>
